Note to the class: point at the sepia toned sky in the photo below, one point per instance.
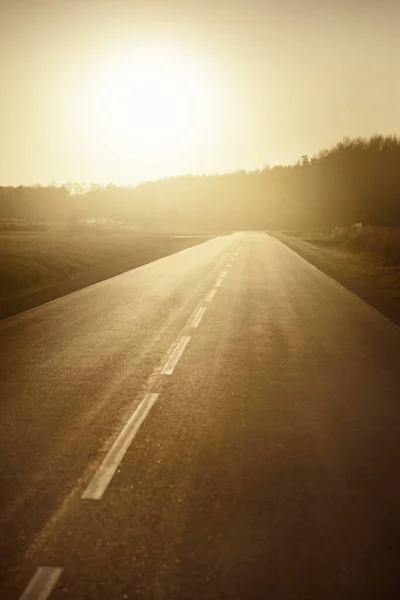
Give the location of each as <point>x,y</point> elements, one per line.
<point>121,91</point>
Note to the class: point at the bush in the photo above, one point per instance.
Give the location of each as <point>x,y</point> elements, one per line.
<point>383,242</point>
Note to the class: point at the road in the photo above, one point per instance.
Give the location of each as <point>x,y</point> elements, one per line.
<point>223,423</point>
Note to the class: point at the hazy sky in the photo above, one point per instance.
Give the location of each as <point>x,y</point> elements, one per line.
<point>225,85</point>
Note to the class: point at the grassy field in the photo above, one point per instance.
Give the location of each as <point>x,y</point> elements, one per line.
<point>366,261</point>
<point>36,266</point>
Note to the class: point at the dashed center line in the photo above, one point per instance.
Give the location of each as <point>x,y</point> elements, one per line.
<point>211,295</point>
<point>106,471</point>
<point>42,583</point>
<point>198,316</point>
<point>175,355</point>
<point>45,578</point>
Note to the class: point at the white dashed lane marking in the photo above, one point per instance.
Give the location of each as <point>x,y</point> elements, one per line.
<point>42,583</point>
<point>175,355</point>
<point>106,471</point>
<point>198,316</point>
<point>211,295</point>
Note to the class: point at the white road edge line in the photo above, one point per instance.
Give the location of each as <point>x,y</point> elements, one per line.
<point>175,355</point>
<point>106,471</point>
<point>42,583</point>
<point>198,316</point>
<point>211,295</point>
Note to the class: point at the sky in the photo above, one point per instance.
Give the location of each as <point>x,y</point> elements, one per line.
<point>123,91</point>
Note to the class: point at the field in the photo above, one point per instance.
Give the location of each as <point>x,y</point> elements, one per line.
<point>365,260</point>
<point>37,266</point>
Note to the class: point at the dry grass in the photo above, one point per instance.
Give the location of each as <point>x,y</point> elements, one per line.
<point>33,260</point>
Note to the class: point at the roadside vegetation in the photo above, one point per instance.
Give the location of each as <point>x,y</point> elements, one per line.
<point>382,244</point>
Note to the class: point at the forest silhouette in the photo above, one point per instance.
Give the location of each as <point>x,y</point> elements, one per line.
<point>357,180</point>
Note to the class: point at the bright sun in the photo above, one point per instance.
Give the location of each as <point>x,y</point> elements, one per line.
<point>147,107</point>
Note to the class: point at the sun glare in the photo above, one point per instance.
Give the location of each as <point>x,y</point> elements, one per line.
<point>147,107</point>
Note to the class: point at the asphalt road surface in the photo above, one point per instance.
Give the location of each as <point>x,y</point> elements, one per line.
<point>223,423</point>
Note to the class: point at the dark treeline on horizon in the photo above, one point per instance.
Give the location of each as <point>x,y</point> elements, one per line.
<point>355,181</point>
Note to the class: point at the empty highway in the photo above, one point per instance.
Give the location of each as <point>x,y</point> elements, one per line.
<point>222,423</point>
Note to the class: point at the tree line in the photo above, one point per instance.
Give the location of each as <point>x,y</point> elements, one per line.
<point>357,180</point>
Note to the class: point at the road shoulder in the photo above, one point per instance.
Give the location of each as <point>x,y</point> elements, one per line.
<point>368,280</point>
